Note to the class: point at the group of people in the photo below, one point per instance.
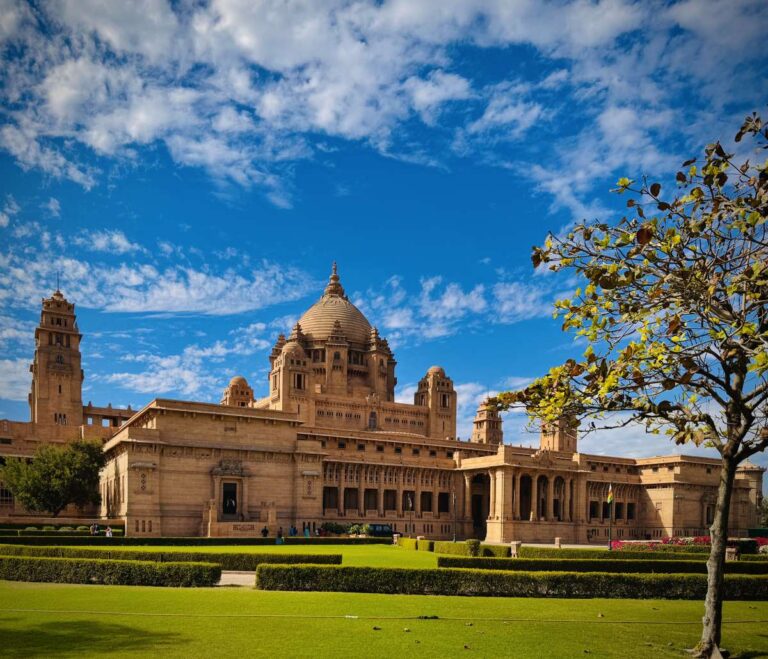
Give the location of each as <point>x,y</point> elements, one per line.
<point>95,530</point>
<point>292,532</point>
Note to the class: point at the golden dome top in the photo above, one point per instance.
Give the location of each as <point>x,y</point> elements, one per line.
<point>318,321</point>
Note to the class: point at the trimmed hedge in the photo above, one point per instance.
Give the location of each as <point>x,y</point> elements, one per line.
<point>493,583</point>
<point>425,545</point>
<point>113,573</point>
<point>50,534</point>
<point>100,540</point>
<point>452,548</point>
<point>242,561</point>
<point>553,552</point>
<point>596,565</point>
<point>407,543</point>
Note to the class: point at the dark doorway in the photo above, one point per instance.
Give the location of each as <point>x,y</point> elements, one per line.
<point>229,499</point>
<point>526,485</point>
<point>481,496</point>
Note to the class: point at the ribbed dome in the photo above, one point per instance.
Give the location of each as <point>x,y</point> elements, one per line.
<point>238,379</point>
<point>318,321</point>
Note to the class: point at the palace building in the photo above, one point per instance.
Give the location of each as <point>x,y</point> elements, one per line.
<point>329,443</point>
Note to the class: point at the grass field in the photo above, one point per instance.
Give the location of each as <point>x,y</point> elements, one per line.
<point>366,555</point>
<point>68,620</point>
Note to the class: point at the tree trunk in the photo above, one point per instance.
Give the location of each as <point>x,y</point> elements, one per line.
<point>709,645</point>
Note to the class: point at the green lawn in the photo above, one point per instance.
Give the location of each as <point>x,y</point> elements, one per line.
<point>67,620</point>
<point>368,555</point>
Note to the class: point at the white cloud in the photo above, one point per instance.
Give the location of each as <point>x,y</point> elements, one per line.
<point>105,240</point>
<point>238,87</point>
<point>15,379</point>
<point>10,208</point>
<point>129,282</point>
<point>53,206</point>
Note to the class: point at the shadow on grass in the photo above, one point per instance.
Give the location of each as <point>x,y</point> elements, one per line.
<point>84,636</point>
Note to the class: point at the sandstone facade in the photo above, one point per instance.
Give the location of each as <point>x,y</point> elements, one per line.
<point>330,443</point>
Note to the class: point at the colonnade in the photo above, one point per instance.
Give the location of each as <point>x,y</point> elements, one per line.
<point>403,482</point>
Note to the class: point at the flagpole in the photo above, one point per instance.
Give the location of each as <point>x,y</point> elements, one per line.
<point>610,516</point>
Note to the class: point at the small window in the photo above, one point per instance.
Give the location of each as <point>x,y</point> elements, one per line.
<point>379,449</point>
<point>449,454</point>
<point>416,451</point>
<point>361,447</point>
<point>593,467</point>
<point>342,445</point>
<point>433,454</point>
<point>398,450</point>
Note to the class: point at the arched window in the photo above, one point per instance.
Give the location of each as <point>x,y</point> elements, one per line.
<point>336,356</point>
<point>372,421</point>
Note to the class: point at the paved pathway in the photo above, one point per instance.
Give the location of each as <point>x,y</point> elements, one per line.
<point>233,578</point>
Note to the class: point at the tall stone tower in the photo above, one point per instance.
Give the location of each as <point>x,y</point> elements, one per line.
<point>436,391</point>
<point>487,425</point>
<point>559,436</point>
<point>57,376</point>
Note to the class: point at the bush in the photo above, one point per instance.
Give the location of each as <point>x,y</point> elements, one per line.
<point>82,528</point>
<point>30,528</point>
<point>242,561</point>
<point>101,541</point>
<point>473,546</point>
<point>452,548</point>
<point>596,565</point>
<point>125,573</point>
<point>49,528</point>
<point>425,545</point>
<point>493,583</point>
<point>407,543</point>
<point>65,529</point>
<point>499,551</point>
<point>552,552</point>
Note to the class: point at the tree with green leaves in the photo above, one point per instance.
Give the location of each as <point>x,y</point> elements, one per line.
<point>56,477</point>
<point>674,307</point>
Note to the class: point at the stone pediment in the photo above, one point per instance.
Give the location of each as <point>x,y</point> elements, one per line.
<point>230,468</point>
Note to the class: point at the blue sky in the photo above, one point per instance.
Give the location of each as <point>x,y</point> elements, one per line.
<point>193,168</point>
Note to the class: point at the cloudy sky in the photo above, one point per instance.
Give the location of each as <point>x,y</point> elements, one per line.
<point>192,169</point>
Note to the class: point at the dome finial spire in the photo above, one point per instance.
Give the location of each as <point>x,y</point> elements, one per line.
<point>334,285</point>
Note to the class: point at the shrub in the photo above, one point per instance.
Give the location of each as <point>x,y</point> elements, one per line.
<point>30,528</point>
<point>596,565</point>
<point>499,551</point>
<point>49,528</point>
<point>552,552</point>
<point>241,561</point>
<point>473,546</point>
<point>407,543</point>
<point>82,528</point>
<point>425,545</point>
<point>453,548</point>
<point>502,584</point>
<point>65,529</point>
<point>354,529</point>
<point>76,539</point>
<point>126,573</point>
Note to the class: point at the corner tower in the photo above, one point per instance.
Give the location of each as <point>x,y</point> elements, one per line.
<point>487,425</point>
<point>560,435</point>
<point>57,376</point>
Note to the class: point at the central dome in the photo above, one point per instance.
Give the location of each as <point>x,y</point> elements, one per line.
<point>318,321</point>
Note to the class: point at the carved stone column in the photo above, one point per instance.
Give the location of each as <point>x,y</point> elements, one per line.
<point>361,490</point>
<point>467,496</point>
<point>417,495</point>
<point>340,506</point>
<point>550,513</point>
<point>492,502</point>
<point>517,494</point>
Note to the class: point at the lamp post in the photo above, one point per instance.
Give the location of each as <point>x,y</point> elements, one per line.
<point>453,498</point>
<point>409,501</point>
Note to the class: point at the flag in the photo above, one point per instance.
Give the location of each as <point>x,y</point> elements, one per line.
<point>610,493</point>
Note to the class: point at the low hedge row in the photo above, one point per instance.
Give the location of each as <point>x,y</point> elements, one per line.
<point>49,534</point>
<point>113,573</point>
<point>596,565</point>
<point>493,583</point>
<point>100,540</point>
<point>241,561</point>
<point>553,552</point>
<point>465,548</point>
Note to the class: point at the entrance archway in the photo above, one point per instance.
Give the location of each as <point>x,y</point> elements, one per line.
<point>542,484</point>
<point>481,496</point>
<point>526,485</point>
